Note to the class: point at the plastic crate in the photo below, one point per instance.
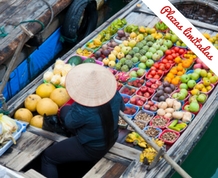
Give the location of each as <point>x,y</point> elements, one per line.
<point>177,134</point>
<point>16,135</point>
<point>158,129</point>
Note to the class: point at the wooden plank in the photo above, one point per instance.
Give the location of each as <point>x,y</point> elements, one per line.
<point>33,174</point>
<point>28,147</point>
<point>100,168</point>
<point>116,171</point>
<point>125,151</point>
<point>5,4</point>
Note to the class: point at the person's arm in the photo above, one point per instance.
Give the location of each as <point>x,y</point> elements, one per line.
<point>73,119</point>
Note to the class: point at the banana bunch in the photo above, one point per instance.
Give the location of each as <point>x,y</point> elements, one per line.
<point>136,139</point>
<point>7,127</point>
<point>149,153</point>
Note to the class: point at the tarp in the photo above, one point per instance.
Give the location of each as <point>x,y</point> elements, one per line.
<point>31,67</point>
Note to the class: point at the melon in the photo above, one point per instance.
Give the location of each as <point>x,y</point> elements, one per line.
<point>23,114</point>
<point>60,96</point>
<point>46,106</point>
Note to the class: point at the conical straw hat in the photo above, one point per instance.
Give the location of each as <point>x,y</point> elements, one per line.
<point>90,84</point>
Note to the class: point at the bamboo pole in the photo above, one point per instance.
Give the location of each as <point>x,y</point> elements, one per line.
<point>155,146</point>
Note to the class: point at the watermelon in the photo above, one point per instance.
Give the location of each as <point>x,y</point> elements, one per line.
<point>75,60</point>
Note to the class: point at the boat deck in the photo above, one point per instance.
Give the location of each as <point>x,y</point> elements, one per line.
<point>123,160</point>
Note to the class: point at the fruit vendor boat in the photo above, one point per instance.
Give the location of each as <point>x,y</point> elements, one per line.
<point>125,158</point>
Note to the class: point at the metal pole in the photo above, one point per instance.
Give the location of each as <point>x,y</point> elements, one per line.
<point>155,146</point>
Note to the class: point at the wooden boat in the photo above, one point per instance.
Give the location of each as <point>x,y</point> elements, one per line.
<point>122,160</point>
<point>41,18</point>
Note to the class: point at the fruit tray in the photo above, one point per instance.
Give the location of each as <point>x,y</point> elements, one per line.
<point>138,100</point>
<point>125,97</point>
<point>167,126</point>
<point>136,69</point>
<point>136,82</point>
<point>150,112</point>
<point>83,58</point>
<point>195,113</point>
<point>176,134</point>
<point>177,91</point>
<point>16,135</point>
<point>159,121</point>
<point>128,90</point>
<point>129,108</point>
<point>141,116</point>
<point>159,131</point>
<point>190,72</point>
<point>208,92</point>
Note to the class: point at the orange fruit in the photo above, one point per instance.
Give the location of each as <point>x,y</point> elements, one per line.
<point>179,68</point>
<point>170,75</point>
<point>168,79</point>
<point>175,81</point>
<point>173,71</point>
<point>177,60</point>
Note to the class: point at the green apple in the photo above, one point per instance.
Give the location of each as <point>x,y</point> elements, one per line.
<point>194,106</point>
<point>140,72</point>
<point>193,98</point>
<point>184,91</point>
<point>149,63</point>
<point>133,73</point>
<point>195,76</point>
<point>183,86</point>
<point>184,78</point>
<point>201,98</point>
<point>174,38</point>
<point>186,107</point>
<point>203,73</point>
<point>191,83</point>
<point>143,59</point>
<point>181,96</point>
<point>198,71</point>
<point>142,65</point>
<point>213,79</point>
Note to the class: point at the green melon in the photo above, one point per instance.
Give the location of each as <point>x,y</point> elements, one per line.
<point>75,60</point>
<point>89,60</point>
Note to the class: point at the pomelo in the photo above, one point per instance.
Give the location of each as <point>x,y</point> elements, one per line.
<point>23,114</point>
<point>31,101</point>
<point>60,96</point>
<point>44,90</point>
<point>46,106</point>
<point>37,121</point>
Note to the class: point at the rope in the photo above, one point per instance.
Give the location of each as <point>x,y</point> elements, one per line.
<point>27,21</point>
<point>2,32</point>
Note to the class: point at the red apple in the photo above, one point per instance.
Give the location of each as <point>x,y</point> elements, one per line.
<point>147,107</point>
<point>154,86</point>
<point>132,100</point>
<point>144,89</point>
<point>150,103</point>
<point>148,84</point>
<point>139,103</point>
<point>146,95</point>
<point>151,90</point>
<point>153,108</point>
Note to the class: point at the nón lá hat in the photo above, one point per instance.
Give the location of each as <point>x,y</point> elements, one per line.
<point>90,84</point>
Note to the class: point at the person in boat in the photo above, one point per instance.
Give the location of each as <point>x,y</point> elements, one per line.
<point>92,118</point>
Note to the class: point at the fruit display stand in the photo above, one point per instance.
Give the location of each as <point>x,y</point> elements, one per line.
<point>123,155</point>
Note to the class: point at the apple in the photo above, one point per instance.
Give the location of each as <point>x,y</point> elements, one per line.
<point>168,43</point>
<point>213,79</point>
<point>143,89</point>
<point>191,83</point>
<point>146,47</point>
<point>154,86</point>
<point>160,52</point>
<point>143,59</point>
<point>133,73</point>
<point>153,108</point>
<point>134,59</point>
<point>201,98</point>
<point>147,107</point>
<point>183,86</point>
<point>142,65</point>
<point>194,107</point>
<point>195,76</point>
<point>184,91</point>
<point>149,54</point>
<point>159,41</point>
<point>152,49</point>
<point>163,48</point>
<point>197,66</point>
<point>151,103</point>
<point>140,72</point>
<point>174,38</point>
<point>203,73</point>
<point>156,56</point>
<point>184,78</point>
<point>149,63</point>
<point>132,100</point>
<point>186,107</point>
<point>156,46</point>
<point>198,71</point>
<point>139,103</point>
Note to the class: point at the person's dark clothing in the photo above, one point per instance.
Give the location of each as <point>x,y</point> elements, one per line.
<point>89,143</point>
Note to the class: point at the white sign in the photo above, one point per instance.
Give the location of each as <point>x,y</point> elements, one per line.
<point>185,31</point>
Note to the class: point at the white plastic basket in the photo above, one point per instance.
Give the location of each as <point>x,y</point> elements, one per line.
<point>16,135</point>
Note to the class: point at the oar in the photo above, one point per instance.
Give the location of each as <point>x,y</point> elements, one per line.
<point>155,146</point>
